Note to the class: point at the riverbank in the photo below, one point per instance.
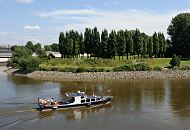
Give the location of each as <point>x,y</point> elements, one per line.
<point>88,76</point>
<point>68,76</point>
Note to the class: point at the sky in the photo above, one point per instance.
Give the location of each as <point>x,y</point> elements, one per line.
<point>41,21</point>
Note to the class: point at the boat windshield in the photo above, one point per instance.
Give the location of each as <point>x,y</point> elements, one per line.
<point>71,100</point>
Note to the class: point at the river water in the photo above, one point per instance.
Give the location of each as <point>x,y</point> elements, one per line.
<point>137,105</point>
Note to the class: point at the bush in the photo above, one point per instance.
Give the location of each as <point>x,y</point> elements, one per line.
<point>157,68</point>
<point>45,68</point>
<point>13,62</point>
<point>41,53</point>
<point>117,69</point>
<point>142,67</point>
<point>29,64</point>
<point>21,52</point>
<point>69,69</point>
<point>131,67</point>
<point>175,61</point>
<point>80,70</point>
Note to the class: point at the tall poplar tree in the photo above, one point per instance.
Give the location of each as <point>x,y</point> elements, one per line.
<point>150,47</point>
<point>165,45</point>
<point>121,44</point>
<point>129,43</point>
<point>88,41</point>
<point>112,44</point>
<point>144,45</point>
<point>61,44</point>
<point>161,44</point>
<point>96,42</point>
<point>155,44</point>
<point>68,45</point>
<point>81,44</point>
<point>137,42</point>
<point>104,44</point>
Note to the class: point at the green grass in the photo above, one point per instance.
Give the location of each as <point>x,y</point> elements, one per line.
<point>107,64</point>
<point>85,62</point>
<point>161,62</point>
<point>185,62</point>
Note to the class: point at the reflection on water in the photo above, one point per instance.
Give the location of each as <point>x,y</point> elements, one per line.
<point>77,113</point>
<point>137,104</point>
<point>180,98</point>
<point>22,80</point>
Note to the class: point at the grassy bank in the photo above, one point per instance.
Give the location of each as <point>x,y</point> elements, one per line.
<point>87,64</point>
<point>102,65</point>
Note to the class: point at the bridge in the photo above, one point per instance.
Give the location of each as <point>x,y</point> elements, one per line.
<point>5,55</point>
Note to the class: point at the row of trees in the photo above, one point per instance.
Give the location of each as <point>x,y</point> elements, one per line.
<point>37,48</point>
<point>30,48</point>
<point>108,45</point>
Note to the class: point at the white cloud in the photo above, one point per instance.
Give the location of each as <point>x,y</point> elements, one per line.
<point>112,3</point>
<point>146,21</point>
<point>4,33</point>
<point>25,1</point>
<point>64,20</point>
<point>63,13</point>
<point>116,3</point>
<point>32,27</point>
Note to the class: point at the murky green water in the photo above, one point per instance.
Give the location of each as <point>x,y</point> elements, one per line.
<point>137,104</point>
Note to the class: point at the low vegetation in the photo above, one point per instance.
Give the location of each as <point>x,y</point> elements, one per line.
<point>175,61</point>
<point>23,60</point>
<point>107,65</point>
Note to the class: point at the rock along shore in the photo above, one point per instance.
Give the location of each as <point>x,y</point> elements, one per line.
<point>88,76</point>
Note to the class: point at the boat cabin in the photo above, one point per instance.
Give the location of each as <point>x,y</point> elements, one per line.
<point>81,98</point>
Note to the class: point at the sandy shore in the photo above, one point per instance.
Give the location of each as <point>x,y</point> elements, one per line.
<point>88,76</point>
<point>62,76</point>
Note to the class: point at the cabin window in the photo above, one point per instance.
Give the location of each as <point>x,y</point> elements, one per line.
<point>93,100</point>
<point>72,100</point>
<point>98,99</point>
<point>87,100</point>
<point>82,101</point>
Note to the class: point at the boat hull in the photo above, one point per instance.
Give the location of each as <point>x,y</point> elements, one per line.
<point>66,106</point>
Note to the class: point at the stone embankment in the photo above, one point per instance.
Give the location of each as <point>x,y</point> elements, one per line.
<point>67,76</point>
